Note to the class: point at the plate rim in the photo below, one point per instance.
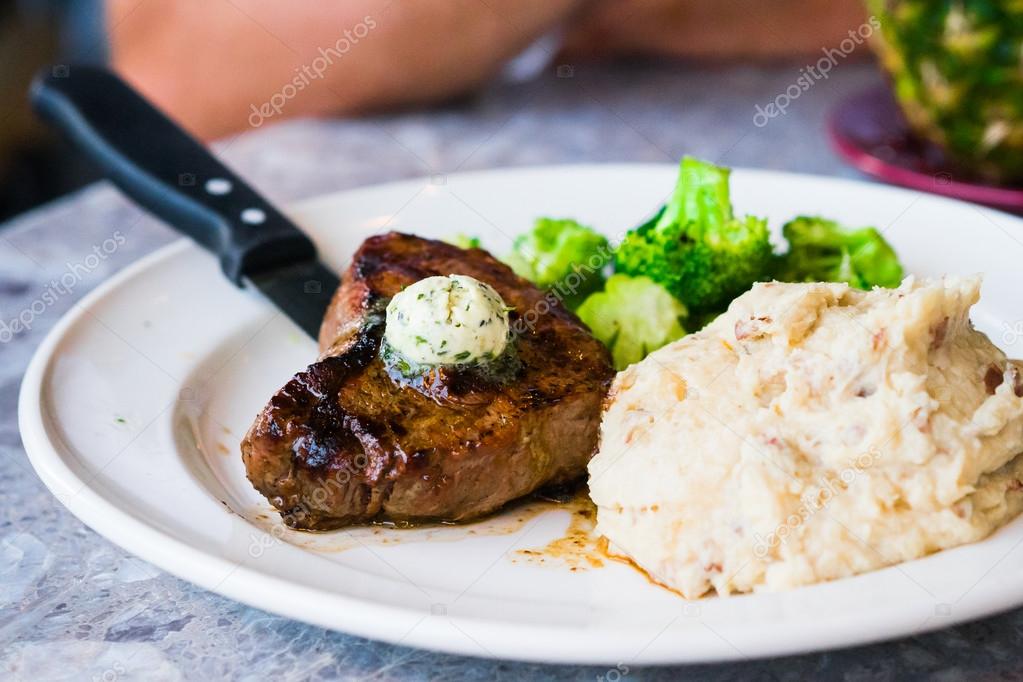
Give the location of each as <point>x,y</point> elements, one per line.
<point>47,453</point>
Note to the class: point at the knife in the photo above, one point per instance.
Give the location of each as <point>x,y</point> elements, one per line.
<point>170,174</point>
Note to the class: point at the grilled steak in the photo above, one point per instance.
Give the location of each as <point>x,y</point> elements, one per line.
<point>347,441</point>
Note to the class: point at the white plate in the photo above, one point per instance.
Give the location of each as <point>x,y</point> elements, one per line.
<point>133,407</point>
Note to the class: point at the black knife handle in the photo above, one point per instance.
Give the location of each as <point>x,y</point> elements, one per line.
<point>167,171</point>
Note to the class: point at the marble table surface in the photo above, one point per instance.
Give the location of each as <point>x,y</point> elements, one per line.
<point>73,606</point>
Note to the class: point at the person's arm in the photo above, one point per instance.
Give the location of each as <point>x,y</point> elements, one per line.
<point>226,65</point>
<point>714,29</point>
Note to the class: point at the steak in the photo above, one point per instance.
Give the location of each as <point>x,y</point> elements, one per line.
<point>348,441</point>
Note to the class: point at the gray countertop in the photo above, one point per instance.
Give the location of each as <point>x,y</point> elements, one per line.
<point>74,606</point>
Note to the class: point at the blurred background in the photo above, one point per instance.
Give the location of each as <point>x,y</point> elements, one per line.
<point>223,67</point>
<point>208,62</point>
<point>35,165</point>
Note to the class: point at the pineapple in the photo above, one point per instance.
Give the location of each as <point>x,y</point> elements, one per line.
<point>957,71</point>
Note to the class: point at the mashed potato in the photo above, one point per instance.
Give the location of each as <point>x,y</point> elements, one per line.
<point>812,432</point>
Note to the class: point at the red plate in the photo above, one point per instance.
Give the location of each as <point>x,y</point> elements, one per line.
<point>869,132</point>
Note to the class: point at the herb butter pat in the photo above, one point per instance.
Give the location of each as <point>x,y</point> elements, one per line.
<point>447,320</point>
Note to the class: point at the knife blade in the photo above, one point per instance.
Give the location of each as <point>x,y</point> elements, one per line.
<point>173,176</point>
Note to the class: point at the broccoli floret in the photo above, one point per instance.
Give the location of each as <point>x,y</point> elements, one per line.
<point>563,256</point>
<point>464,241</point>
<point>633,316</point>
<point>821,250</point>
<point>695,246</point>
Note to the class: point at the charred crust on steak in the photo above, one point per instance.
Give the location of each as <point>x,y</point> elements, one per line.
<point>347,442</point>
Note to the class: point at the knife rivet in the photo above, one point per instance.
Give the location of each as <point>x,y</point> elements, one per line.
<point>218,186</point>
<point>253,216</point>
